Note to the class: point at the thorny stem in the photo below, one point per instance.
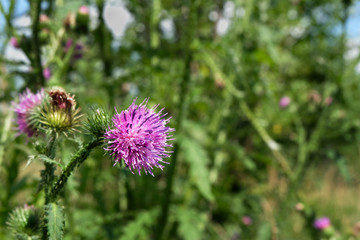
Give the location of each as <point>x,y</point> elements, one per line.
<point>76,161</point>
<point>47,175</point>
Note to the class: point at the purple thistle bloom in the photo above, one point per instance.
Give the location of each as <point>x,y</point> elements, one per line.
<point>284,102</point>
<point>139,137</point>
<point>27,102</point>
<point>322,223</point>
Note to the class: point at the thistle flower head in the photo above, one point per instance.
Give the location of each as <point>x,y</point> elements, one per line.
<point>28,101</point>
<point>58,113</point>
<point>284,102</point>
<point>139,137</point>
<point>322,223</point>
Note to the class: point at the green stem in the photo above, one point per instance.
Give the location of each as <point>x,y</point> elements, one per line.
<point>47,175</point>
<point>169,183</point>
<point>36,42</point>
<point>76,161</point>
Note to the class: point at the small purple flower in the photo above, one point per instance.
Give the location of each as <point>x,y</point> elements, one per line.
<point>284,102</point>
<point>27,102</point>
<point>322,223</point>
<point>139,137</point>
<point>47,73</point>
<point>14,42</point>
<point>246,220</point>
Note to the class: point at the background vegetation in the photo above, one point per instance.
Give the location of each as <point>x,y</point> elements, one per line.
<point>238,150</point>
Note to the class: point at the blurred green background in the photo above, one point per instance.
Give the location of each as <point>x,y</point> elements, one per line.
<point>264,96</point>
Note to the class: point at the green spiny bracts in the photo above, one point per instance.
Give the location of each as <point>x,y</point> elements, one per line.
<point>57,114</point>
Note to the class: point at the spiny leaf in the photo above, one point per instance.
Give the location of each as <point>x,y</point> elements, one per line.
<point>55,221</point>
<point>49,160</point>
<point>197,158</point>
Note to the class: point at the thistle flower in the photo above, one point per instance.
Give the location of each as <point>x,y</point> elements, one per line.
<point>27,103</point>
<point>47,73</point>
<point>322,223</point>
<point>139,136</point>
<point>14,42</point>
<point>246,220</point>
<point>284,102</point>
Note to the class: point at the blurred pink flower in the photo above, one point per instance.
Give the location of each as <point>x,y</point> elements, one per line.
<point>44,18</point>
<point>299,207</point>
<point>27,102</point>
<point>322,223</point>
<point>14,42</point>
<point>83,10</point>
<point>284,101</point>
<point>47,73</point>
<point>328,100</point>
<point>246,220</point>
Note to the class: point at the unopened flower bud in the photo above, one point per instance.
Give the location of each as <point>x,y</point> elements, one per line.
<point>59,114</point>
<point>82,19</point>
<point>98,121</point>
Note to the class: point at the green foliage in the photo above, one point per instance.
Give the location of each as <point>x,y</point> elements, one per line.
<point>192,223</point>
<point>55,221</point>
<point>139,227</point>
<point>197,159</point>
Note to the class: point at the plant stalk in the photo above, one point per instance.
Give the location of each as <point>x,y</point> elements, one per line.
<point>76,161</point>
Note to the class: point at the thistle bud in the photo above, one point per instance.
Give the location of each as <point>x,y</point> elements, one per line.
<point>82,19</point>
<point>25,222</point>
<point>98,121</point>
<point>59,114</point>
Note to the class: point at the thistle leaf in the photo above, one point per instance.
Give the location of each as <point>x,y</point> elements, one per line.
<point>197,159</point>
<point>49,160</point>
<point>55,221</point>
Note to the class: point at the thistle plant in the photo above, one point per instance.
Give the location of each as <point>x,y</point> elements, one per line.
<point>138,137</point>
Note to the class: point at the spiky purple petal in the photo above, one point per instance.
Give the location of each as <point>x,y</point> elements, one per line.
<point>27,102</point>
<point>139,137</point>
